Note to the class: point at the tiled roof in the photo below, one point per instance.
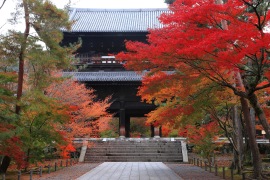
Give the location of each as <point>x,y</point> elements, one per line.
<point>115,20</point>
<point>105,76</point>
<point>108,76</point>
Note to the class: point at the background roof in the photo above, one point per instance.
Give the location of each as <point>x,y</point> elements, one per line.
<point>104,76</point>
<point>115,20</point>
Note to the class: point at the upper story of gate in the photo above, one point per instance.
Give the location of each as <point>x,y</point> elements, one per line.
<point>104,31</point>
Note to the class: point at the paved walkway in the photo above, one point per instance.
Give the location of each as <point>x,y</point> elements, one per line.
<point>131,171</point>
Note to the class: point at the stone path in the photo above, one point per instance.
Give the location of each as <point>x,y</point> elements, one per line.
<point>131,171</point>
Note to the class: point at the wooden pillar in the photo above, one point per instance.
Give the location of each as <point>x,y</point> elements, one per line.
<point>152,130</point>
<point>127,126</point>
<point>157,132</point>
<point>122,123</point>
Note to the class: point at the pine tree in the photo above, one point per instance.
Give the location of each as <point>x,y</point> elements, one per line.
<point>36,54</point>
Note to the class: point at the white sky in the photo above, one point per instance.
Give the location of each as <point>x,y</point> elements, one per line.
<point>104,4</point>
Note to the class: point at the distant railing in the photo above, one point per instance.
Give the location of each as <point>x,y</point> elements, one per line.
<point>37,172</point>
<point>219,140</point>
<point>90,59</point>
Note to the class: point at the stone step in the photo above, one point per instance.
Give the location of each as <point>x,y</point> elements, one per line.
<point>133,154</point>
<point>134,151</point>
<point>136,146</point>
<point>135,160</point>
<point>130,151</point>
<point>139,148</point>
<point>138,143</point>
<point>133,146</point>
<point>130,142</point>
<point>132,157</point>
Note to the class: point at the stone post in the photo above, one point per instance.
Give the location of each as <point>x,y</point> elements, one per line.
<point>83,151</point>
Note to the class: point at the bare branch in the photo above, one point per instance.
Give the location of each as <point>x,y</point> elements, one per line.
<point>3,4</point>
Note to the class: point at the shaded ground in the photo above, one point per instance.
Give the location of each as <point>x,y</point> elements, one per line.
<point>188,171</point>
<point>71,172</point>
<point>67,173</point>
<point>220,159</point>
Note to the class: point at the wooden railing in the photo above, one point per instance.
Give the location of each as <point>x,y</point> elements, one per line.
<point>39,171</point>
<point>221,171</point>
<point>219,140</point>
<point>88,59</point>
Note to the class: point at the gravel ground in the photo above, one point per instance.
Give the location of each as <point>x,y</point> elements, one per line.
<point>67,173</point>
<point>188,171</point>
<point>70,173</point>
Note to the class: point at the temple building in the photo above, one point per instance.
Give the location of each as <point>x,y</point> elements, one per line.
<point>103,33</point>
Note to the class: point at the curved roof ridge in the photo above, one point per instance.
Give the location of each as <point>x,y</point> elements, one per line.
<point>120,9</point>
<point>115,20</point>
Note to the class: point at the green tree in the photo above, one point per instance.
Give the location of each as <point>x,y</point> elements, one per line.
<point>8,117</point>
<point>41,118</point>
<point>36,54</point>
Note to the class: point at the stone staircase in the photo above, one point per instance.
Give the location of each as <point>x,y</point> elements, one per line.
<point>150,150</point>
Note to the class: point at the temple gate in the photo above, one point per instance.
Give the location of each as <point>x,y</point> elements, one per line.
<point>103,32</point>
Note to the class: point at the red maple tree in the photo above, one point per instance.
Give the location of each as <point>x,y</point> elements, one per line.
<point>87,115</point>
<point>85,112</point>
<point>217,41</point>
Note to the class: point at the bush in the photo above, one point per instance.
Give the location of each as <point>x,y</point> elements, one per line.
<point>173,133</point>
<point>108,134</point>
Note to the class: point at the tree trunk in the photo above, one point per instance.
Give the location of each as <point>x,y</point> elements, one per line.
<point>253,118</point>
<point>253,100</point>
<point>257,165</point>
<point>5,163</point>
<point>238,137</point>
<point>22,54</point>
<point>27,159</point>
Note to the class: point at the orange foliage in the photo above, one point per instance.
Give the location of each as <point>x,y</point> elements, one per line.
<point>103,124</point>
<point>84,112</point>
<point>166,129</point>
<point>66,150</point>
<point>196,135</point>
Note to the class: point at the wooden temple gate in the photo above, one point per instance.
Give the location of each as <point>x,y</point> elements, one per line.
<point>103,33</point>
